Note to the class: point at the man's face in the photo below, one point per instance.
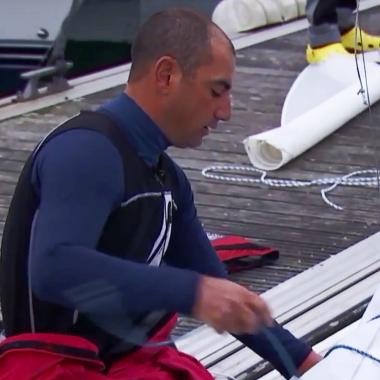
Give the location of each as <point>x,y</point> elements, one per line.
<point>200,100</point>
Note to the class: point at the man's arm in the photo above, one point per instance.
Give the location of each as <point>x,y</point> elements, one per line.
<point>79,178</point>
<point>80,183</point>
<point>191,248</point>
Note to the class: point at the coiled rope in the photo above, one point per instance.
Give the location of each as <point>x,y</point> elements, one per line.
<point>368,178</point>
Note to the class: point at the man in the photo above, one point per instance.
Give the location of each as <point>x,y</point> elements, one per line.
<point>332,30</point>
<point>102,243</point>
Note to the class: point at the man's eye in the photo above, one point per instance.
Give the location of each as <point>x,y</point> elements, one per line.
<point>215,94</point>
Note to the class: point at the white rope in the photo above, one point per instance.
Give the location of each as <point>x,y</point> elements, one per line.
<point>366,178</point>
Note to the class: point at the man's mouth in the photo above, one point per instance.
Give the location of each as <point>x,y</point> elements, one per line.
<point>206,129</point>
<point>212,125</point>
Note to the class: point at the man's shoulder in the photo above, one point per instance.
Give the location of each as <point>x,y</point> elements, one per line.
<point>80,159</point>
<point>78,148</point>
<point>79,140</point>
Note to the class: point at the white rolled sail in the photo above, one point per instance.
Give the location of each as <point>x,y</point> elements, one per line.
<point>323,98</point>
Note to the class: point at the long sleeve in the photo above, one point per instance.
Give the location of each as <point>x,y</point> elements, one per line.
<point>192,249</point>
<point>271,348</point>
<point>79,178</point>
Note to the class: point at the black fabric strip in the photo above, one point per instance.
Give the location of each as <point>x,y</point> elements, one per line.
<point>80,353</point>
<point>240,246</point>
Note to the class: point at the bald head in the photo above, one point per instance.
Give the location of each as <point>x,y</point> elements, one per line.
<point>180,33</point>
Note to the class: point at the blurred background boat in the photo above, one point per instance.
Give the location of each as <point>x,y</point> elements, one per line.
<point>69,38</point>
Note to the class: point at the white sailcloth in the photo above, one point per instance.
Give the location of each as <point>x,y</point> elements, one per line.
<point>348,364</point>
<point>324,97</point>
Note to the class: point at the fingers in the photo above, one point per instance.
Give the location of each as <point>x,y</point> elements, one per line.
<point>239,320</point>
<point>251,314</point>
<point>227,306</point>
<point>260,308</point>
<point>247,322</point>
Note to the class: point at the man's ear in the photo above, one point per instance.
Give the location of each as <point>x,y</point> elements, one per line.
<point>167,73</point>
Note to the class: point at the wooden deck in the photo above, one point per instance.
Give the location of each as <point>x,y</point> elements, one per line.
<point>294,220</point>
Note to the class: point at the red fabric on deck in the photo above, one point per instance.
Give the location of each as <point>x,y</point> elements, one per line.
<point>147,363</point>
<point>239,253</point>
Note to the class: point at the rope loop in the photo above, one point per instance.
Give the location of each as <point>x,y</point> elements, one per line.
<point>365,178</point>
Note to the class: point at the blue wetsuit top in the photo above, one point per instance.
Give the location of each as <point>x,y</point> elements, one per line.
<point>79,179</point>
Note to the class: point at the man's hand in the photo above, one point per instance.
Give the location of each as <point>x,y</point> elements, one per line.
<point>227,306</point>
<point>311,360</point>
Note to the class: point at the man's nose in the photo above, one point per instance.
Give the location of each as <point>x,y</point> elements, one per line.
<point>223,112</point>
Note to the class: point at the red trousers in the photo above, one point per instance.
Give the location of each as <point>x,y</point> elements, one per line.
<point>64,357</point>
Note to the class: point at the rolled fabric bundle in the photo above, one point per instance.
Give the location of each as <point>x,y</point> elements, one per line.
<point>235,16</point>
<point>272,149</point>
